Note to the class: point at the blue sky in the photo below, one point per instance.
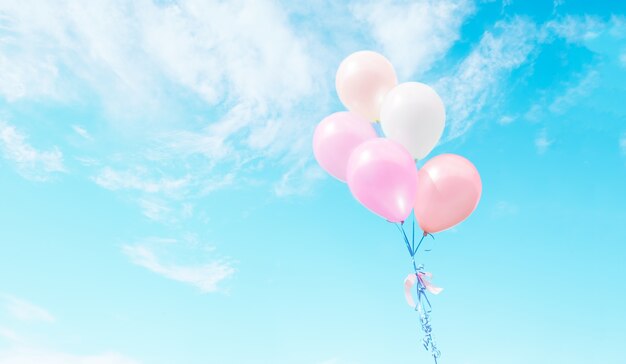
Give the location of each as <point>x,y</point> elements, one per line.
<point>159,202</point>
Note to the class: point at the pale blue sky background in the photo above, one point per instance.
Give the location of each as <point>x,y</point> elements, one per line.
<point>159,202</point>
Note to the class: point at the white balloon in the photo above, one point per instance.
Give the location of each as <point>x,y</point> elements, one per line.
<point>413,115</point>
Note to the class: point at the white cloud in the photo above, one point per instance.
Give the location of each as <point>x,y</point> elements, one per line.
<point>299,179</point>
<point>576,29</point>
<point>87,161</point>
<point>241,66</point>
<point>534,113</point>
<point>556,4</point>
<point>542,142</point>
<point>478,84</point>
<point>32,356</point>
<point>416,34</point>
<point>20,351</point>
<point>560,101</point>
<point>572,95</point>
<point>227,52</point>
<point>137,180</point>
<point>24,310</point>
<point>82,132</point>
<point>31,163</point>
<point>156,256</point>
<point>506,119</point>
<point>8,334</point>
<point>161,197</point>
<point>474,84</point>
<point>156,210</point>
<point>246,49</point>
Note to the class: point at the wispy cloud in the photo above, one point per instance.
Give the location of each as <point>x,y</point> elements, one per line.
<point>156,210</point>
<point>479,84</point>
<point>575,92</point>
<point>506,119</point>
<point>242,66</point>
<point>542,142</point>
<point>137,180</point>
<point>415,34</point>
<point>20,351</point>
<point>162,197</point>
<point>622,144</point>
<point>8,334</point>
<point>474,84</point>
<point>575,28</point>
<point>31,163</point>
<point>224,91</point>
<point>82,132</point>
<point>225,53</point>
<point>25,311</point>
<point>556,4</point>
<point>299,179</point>
<point>159,256</point>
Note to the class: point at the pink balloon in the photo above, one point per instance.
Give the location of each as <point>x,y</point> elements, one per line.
<point>362,81</point>
<point>382,176</point>
<point>336,137</point>
<point>448,191</point>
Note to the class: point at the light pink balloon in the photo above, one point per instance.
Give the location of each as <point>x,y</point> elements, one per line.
<point>336,137</point>
<point>362,81</point>
<point>382,176</point>
<point>448,191</point>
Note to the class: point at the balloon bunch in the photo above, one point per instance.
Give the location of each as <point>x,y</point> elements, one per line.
<point>381,171</point>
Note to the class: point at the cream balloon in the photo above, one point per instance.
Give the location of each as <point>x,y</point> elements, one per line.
<point>413,115</point>
<point>362,81</point>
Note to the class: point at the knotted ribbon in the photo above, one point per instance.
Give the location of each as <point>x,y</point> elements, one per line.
<point>421,280</point>
<point>424,280</point>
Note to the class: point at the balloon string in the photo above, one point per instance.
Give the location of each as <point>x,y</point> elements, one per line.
<point>423,306</point>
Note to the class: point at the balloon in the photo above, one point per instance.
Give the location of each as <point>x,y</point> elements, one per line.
<point>448,191</point>
<point>382,176</point>
<point>362,81</point>
<point>336,137</point>
<point>413,115</point>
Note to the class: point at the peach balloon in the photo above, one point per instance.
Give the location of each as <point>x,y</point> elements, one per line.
<point>448,191</point>
<point>362,81</point>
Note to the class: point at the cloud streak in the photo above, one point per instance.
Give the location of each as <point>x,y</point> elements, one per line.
<point>241,65</point>
<point>416,34</point>
<point>30,162</point>
<point>542,142</point>
<point>474,84</point>
<point>137,180</point>
<point>25,311</point>
<point>150,254</point>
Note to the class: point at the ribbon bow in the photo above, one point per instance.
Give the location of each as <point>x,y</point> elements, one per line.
<point>424,284</point>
